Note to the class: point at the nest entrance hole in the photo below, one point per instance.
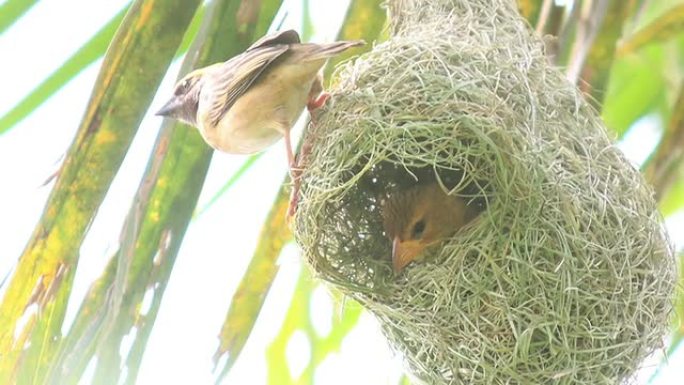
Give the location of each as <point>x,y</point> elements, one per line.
<point>357,250</point>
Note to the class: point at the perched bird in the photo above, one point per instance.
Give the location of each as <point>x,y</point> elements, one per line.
<point>245,104</point>
<point>420,216</point>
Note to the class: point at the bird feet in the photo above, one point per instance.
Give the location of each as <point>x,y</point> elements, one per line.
<point>297,162</point>
<point>296,170</point>
<point>318,102</point>
<point>294,195</point>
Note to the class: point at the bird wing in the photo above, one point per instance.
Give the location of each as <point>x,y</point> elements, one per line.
<point>281,37</point>
<point>237,75</point>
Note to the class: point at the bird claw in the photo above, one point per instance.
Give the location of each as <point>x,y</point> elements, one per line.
<point>294,201</point>
<point>318,102</point>
<point>296,170</point>
<point>295,175</point>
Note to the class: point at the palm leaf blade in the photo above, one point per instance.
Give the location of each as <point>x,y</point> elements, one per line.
<point>129,75</point>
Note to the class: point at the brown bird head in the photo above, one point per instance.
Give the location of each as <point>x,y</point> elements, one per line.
<point>419,217</point>
<point>185,101</point>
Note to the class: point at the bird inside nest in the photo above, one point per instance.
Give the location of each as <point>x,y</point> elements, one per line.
<point>245,104</point>
<point>419,216</point>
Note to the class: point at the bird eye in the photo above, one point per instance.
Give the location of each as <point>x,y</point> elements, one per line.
<point>179,89</point>
<point>182,87</point>
<point>418,229</point>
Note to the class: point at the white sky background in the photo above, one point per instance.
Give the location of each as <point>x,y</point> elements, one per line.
<point>211,259</point>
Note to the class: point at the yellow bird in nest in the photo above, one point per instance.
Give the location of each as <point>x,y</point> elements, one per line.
<point>421,216</point>
<point>247,103</point>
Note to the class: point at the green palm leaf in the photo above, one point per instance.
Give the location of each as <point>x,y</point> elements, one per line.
<point>159,216</point>
<point>12,10</point>
<point>140,53</point>
<point>364,19</point>
<point>86,55</point>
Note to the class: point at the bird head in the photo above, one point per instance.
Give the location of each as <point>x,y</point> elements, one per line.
<point>185,101</point>
<point>418,217</point>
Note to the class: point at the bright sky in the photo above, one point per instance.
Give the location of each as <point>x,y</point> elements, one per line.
<point>211,261</point>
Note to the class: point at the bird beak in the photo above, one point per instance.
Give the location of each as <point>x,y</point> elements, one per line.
<point>170,107</point>
<point>404,253</point>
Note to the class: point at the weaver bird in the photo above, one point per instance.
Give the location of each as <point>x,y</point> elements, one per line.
<point>421,216</point>
<point>247,103</point>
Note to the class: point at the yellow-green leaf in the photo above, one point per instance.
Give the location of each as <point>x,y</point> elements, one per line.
<point>635,89</point>
<point>596,69</point>
<point>133,67</point>
<point>250,295</point>
<point>174,179</point>
<point>673,200</point>
<point>92,50</point>
<point>530,9</point>
<point>669,25</point>
<point>298,319</point>
<point>364,20</point>
<point>665,165</point>
<point>12,10</point>
<point>166,198</point>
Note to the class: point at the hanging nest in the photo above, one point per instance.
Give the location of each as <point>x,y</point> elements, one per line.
<point>567,274</point>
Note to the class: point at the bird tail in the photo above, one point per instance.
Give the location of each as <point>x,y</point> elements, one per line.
<point>326,50</point>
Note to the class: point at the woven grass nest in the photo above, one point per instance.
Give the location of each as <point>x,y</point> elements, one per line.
<point>565,278</point>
